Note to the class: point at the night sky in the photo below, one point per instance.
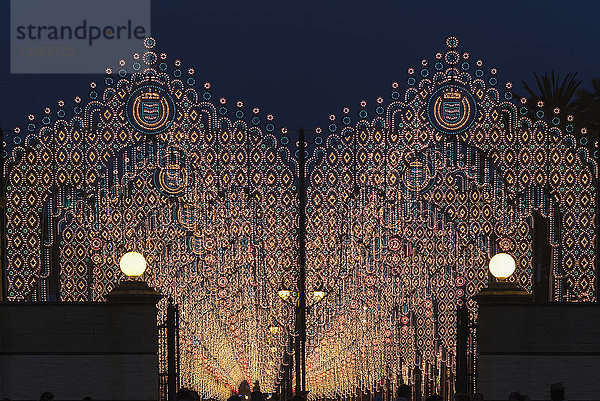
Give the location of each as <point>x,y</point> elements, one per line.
<point>303,60</point>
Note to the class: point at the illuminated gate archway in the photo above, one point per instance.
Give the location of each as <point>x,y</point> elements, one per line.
<point>411,199</point>
<point>406,201</point>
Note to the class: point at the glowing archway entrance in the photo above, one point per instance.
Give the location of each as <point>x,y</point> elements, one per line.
<point>406,202</point>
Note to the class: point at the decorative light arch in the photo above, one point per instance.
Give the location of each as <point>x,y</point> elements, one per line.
<point>409,201</point>
<point>406,202</point>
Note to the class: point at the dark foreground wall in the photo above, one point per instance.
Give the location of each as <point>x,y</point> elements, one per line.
<point>104,351</point>
<point>528,347</point>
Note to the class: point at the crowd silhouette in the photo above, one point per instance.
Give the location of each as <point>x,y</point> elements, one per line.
<point>403,393</point>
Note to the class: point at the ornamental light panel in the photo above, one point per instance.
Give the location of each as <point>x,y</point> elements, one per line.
<point>408,198</point>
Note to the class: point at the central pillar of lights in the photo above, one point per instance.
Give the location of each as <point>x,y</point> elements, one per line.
<point>300,347</point>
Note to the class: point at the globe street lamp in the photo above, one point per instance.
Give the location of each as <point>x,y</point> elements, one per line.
<point>502,266</point>
<point>132,264</point>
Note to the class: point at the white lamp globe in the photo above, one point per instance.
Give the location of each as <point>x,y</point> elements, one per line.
<point>502,265</point>
<point>132,264</point>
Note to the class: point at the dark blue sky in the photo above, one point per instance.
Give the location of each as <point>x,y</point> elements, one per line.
<point>302,60</point>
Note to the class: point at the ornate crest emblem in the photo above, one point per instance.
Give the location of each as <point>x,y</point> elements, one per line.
<point>173,179</point>
<point>151,106</point>
<point>451,109</point>
<point>150,109</point>
<point>172,175</point>
<point>418,172</point>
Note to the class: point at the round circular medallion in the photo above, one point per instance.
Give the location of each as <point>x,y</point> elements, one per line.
<point>172,180</point>
<point>507,244</point>
<point>451,109</point>
<point>418,174</point>
<point>150,109</point>
<point>394,243</point>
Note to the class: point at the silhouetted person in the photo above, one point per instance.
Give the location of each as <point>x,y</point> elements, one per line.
<point>557,392</point>
<point>515,396</point>
<point>403,393</point>
<point>47,396</point>
<point>461,397</point>
<point>297,397</point>
<point>234,397</point>
<point>87,399</point>
<point>184,394</point>
<point>434,397</point>
<point>256,394</point>
<point>244,390</point>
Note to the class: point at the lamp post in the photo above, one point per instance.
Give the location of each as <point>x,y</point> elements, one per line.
<point>132,290</point>
<point>301,312</point>
<point>499,291</point>
<point>136,291</point>
<point>133,264</point>
<point>299,360</point>
<point>300,349</point>
<point>501,267</point>
<point>498,297</point>
<point>300,326</point>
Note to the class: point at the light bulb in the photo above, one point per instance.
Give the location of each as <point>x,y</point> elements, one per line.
<point>502,265</point>
<point>132,264</point>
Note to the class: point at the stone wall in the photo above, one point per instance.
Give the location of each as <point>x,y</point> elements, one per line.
<point>528,347</point>
<point>101,350</point>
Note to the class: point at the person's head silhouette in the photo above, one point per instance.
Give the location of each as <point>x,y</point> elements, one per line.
<point>47,396</point>
<point>557,392</point>
<point>403,392</point>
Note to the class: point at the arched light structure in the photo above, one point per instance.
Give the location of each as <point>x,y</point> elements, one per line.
<point>404,197</point>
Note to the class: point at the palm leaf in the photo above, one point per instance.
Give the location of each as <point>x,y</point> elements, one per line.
<point>554,93</point>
